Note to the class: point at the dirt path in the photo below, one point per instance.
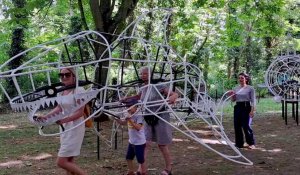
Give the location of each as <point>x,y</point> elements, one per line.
<point>278,152</point>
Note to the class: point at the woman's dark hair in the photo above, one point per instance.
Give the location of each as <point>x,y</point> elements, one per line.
<point>247,77</point>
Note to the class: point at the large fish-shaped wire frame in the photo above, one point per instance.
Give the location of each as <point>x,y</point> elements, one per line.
<point>88,50</point>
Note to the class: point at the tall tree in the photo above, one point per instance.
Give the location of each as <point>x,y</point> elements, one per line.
<point>17,44</point>
<point>234,40</point>
<point>269,24</point>
<point>19,16</point>
<point>109,20</point>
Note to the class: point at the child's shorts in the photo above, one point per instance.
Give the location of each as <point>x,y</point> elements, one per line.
<point>136,150</point>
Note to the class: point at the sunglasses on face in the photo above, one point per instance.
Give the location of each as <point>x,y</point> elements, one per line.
<point>66,75</point>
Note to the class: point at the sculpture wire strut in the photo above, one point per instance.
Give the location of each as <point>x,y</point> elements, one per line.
<point>89,50</point>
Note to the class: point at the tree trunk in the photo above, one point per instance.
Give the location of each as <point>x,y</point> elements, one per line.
<point>234,51</point>
<point>249,60</point>
<point>229,71</point>
<point>17,41</point>
<point>236,61</point>
<point>82,15</point>
<point>268,45</point>
<point>149,25</point>
<point>206,67</point>
<point>107,24</point>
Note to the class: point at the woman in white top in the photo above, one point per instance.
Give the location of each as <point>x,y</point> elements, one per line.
<point>71,141</point>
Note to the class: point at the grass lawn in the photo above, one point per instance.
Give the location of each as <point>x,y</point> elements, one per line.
<point>24,151</point>
<point>263,106</point>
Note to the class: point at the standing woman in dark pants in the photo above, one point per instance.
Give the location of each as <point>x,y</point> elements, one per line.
<point>244,96</point>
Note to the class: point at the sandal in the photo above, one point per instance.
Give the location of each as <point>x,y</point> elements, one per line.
<point>166,172</point>
<point>139,173</point>
<point>251,147</point>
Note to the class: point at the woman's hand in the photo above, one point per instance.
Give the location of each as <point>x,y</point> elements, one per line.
<point>251,114</point>
<point>39,118</point>
<point>231,93</point>
<point>58,122</point>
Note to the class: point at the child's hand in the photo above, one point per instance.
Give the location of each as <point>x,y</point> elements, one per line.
<point>172,99</point>
<point>128,117</point>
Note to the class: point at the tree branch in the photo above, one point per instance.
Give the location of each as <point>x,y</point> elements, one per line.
<point>125,10</point>
<point>83,19</point>
<point>112,8</point>
<point>97,16</point>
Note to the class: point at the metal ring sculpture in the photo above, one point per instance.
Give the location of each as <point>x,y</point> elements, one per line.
<point>283,75</point>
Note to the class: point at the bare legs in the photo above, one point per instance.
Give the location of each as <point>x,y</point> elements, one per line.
<point>164,149</point>
<point>130,167</point>
<point>143,168</point>
<point>67,163</point>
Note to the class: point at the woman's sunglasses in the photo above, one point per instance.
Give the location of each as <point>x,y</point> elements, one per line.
<point>66,75</point>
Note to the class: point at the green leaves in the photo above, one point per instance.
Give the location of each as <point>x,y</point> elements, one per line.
<point>210,33</point>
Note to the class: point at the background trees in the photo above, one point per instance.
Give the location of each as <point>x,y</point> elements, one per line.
<point>222,37</point>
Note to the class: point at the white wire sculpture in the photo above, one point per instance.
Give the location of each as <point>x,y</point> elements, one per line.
<point>120,60</point>
<point>283,75</point>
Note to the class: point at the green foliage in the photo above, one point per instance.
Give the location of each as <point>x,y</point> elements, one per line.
<point>4,42</point>
<point>203,31</point>
<point>199,3</point>
<point>76,25</point>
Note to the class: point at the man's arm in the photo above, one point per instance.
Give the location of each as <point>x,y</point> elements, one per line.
<point>137,97</point>
<point>172,95</point>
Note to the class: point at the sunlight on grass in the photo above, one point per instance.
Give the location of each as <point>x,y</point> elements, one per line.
<point>41,156</point>
<point>272,112</point>
<point>214,142</point>
<point>202,132</point>
<point>8,126</point>
<point>207,141</point>
<point>264,106</point>
<point>180,140</point>
<point>192,147</point>
<point>275,150</point>
<point>20,163</point>
<point>12,163</point>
